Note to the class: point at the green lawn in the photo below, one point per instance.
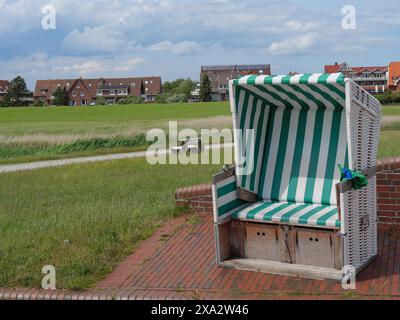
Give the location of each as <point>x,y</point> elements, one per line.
<point>390,144</point>
<point>33,134</point>
<point>391,110</point>
<point>42,133</point>
<point>84,219</point>
<point>101,119</point>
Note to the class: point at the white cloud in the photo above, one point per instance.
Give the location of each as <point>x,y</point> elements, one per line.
<point>296,25</point>
<point>179,49</point>
<point>81,69</point>
<point>107,38</point>
<point>349,48</point>
<point>292,45</point>
<point>97,40</point>
<point>41,66</point>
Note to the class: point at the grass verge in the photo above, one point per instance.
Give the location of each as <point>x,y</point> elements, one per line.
<point>84,219</point>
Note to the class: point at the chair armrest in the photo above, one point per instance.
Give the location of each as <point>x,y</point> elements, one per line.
<point>226,198</point>
<point>346,186</point>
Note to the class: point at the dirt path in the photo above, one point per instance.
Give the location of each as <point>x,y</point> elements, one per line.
<point>387,120</point>
<point>64,162</point>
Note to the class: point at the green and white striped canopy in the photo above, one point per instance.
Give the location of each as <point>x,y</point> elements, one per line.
<point>316,78</point>
<point>300,135</point>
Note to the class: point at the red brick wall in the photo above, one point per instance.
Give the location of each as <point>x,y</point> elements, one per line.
<point>199,199</point>
<point>388,181</point>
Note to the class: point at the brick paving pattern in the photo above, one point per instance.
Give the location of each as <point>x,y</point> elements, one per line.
<point>183,267</point>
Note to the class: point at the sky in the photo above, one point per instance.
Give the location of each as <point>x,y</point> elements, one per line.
<point>173,38</point>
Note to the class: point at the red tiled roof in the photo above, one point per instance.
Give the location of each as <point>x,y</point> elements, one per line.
<point>394,73</point>
<point>332,68</point>
<point>153,84</point>
<point>4,85</point>
<point>336,67</point>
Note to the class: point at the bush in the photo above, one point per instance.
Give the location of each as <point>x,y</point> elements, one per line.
<point>162,98</point>
<point>131,100</point>
<point>177,98</point>
<point>38,104</point>
<point>101,101</point>
<point>389,98</point>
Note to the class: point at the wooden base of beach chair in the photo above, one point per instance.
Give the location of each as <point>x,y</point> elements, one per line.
<point>287,269</point>
<point>280,249</point>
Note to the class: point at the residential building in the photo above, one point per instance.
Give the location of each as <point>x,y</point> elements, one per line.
<point>394,76</point>
<point>4,85</point>
<point>86,91</point>
<point>220,76</point>
<point>374,79</point>
<point>194,95</point>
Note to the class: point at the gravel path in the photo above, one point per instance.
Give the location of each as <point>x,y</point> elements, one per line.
<point>64,162</point>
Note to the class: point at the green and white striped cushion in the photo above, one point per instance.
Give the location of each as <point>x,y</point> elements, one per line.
<point>227,201</point>
<point>291,213</point>
<point>300,127</point>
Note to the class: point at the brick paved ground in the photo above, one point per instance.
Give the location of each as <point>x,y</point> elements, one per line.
<point>186,264</point>
<point>178,263</point>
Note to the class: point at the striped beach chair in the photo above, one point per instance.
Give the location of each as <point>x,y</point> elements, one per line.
<point>282,208</point>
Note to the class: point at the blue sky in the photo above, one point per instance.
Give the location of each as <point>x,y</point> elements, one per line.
<point>173,38</point>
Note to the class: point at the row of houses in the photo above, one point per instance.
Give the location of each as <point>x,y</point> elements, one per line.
<point>374,79</point>
<point>87,91</point>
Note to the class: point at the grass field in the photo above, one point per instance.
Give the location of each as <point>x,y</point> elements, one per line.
<point>17,122</point>
<point>84,219</point>
<point>33,134</point>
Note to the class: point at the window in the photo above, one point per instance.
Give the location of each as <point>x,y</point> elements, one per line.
<point>146,82</point>
<point>112,92</point>
<point>74,94</point>
<point>44,91</point>
<point>99,92</point>
<point>82,94</point>
<point>90,85</point>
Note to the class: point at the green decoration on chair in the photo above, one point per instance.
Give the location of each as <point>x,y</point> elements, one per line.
<point>358,180</point>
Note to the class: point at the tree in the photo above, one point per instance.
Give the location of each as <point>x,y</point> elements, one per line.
<point>61,97</point>
<point>180,89</point>
<point>185,88</point>
<point>131,100</point>
<point>205,89</point>
<point>17,93</point>
<point>101,101</point>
